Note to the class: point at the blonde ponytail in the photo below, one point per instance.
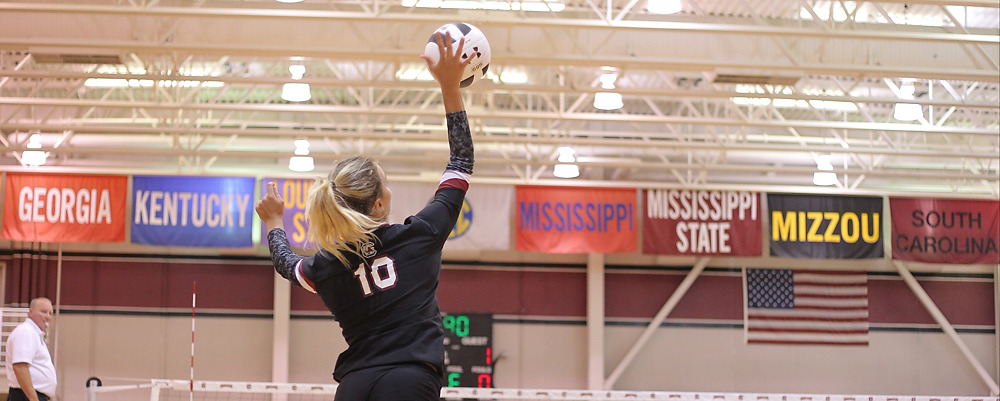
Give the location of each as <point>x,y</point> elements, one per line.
<point>338,207</point>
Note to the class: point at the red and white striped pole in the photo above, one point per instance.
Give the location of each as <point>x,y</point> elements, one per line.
<point>194,298</point>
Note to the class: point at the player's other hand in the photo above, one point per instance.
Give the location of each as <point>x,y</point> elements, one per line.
<point>271,208</point>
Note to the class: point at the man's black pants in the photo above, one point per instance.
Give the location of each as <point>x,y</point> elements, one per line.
<point>16,394</point>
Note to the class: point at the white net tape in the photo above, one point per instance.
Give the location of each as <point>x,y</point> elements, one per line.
<point>163,390</point>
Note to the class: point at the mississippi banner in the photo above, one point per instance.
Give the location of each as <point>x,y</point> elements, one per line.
<point>64,208</point>
<point>483,224</point>
<point>686,222</point>
<point>825,227</point>
<point>806,307</point>
<point>945,230</point>
<point>193,211</point>
<point>294,192</point>
<point>576,220</point>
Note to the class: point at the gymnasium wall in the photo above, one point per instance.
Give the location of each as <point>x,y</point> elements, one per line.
<point>128,315</point>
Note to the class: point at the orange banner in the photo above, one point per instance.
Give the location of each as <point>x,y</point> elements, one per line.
<point>64,208</point>
<point>576,220</point>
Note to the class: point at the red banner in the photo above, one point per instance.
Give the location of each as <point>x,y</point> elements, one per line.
<point>686,222</point>
<point>945,230</point>
<point>576,220</point>
<point>64,208</point>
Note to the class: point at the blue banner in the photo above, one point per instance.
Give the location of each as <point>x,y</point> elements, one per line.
<point>193,211</point>
<point>294,192</point>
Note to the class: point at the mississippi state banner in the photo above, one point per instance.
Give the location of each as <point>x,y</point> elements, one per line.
<point>825,227</point>
<point>193,211</point>
<point>951,231</point>
<point>64,207</point>
<point>576,220</point>
<point>686,222</point>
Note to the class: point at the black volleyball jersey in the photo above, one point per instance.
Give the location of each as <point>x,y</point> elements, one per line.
<point>385,299</point>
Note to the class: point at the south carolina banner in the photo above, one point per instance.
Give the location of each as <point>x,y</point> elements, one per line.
<point>576,220</point>
<point>686,222</point>
<point>64,208</point>
<point>945,230</point>
<point>484,222</point>
<point>294,192</point>
<point>825,227</point>
<point>193,211</point>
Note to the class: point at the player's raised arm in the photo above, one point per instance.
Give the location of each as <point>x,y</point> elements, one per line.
<point>270,209</point>
<point>448,72</point>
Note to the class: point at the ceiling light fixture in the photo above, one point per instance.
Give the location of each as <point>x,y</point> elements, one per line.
<point>34,158</point>
<point>608,100</point>
<point>301,161</point>
<point>296,91</point>
<point>664,6</point>
<point>566,167</point>
<point>825,176</point>
<point>907,111</point>
<point>531,5</point>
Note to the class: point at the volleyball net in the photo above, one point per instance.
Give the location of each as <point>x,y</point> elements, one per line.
<point>176,390</point>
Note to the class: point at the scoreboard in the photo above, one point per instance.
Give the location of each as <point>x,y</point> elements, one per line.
<point>468,350</point>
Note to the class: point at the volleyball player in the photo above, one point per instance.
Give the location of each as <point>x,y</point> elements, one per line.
<point>379,280</point>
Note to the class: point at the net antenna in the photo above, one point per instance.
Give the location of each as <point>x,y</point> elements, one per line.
<point>194,303</point>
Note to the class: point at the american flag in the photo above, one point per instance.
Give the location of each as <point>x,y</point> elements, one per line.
<point>806,307</point>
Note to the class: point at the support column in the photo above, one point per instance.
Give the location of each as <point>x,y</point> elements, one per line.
<point>282,314</point>
<point>668,307</point>
<point>946,326</point>
<point>595,321</point>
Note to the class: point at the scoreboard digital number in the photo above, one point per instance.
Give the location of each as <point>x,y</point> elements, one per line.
<point>468,350</point>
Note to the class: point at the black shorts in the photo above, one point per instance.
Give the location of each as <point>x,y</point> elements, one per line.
<point>411,382</point>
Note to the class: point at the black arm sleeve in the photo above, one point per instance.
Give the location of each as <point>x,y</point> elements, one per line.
<point>282,257</point>
<point>460,142</point>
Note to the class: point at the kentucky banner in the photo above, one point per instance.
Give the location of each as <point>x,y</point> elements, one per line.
<point>945,230</point>
<point>483,224</point>
<point>825,227</point>
<point>576,220</point>
<point>686,222</point>
<point>193,211</point>
<point>64,208</point>
<point>294,192</point>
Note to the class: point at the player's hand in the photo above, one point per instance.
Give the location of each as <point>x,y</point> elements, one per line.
<point>450,66</point>
<point>271,208</point>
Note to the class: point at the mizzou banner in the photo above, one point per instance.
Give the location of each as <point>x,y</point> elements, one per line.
<point>576,220</point>
<point>193,211</point>
<point>686,222</point>
<point>64,208</point>
<point>483,224</point>
<point>825,227</point>
<point>945,230</point>
<point>294,192</point>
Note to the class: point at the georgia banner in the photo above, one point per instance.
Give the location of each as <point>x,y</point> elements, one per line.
<point>483,224</point>
<point>576,220</point>
<point>64,207</point>
<point>953,231</point>
<point>193,211</point>
<point>687,222</point>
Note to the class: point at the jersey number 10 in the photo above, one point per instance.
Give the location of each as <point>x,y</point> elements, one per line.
<point>381,265</point>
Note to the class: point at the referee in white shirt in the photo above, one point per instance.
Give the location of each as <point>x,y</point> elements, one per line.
<point>30,372</point>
